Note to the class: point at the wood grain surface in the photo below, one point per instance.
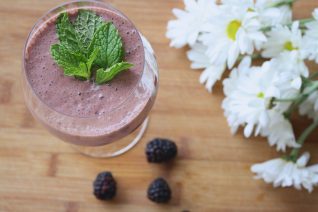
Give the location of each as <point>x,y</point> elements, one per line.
<point>38,172</point>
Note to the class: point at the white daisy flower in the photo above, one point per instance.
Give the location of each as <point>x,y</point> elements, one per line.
<point>249,96</point>
<point>279,132</point>
<point>251,4</point>
<point>283,173</point>
<point>200,60</point>
<point>272,16</point>
<point>243,69</point>
<point>248,103</point>
<point>268,15</point>
<point>289,69</point>
<point>188,25</point>
<point>310,49</point>
<point>282,39</point>
<point>309,108</point>
<point>198,56</point>
<point>229,86</point>
<point>244,4</point>
<point>229,32</point>
<point>291,62</point>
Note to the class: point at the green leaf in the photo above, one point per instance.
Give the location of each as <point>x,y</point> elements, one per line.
<point>108,40</point>
<point>66,33</point>
<point>64,57</point>
<point>107,75</point>
<point>86,24</point>
<point>78,72</point>
<point>72,63</point>
<point>91,60</point>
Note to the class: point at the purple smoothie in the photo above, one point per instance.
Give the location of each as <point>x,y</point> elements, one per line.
<point>70,96</point>
<point>80,111</point>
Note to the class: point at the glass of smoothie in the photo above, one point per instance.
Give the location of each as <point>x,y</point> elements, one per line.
<point>98,120</point>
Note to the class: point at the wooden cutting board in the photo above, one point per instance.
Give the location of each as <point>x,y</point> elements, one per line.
<point>38,172</point>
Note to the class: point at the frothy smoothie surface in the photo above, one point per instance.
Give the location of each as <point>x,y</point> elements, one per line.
<point>77,98</point>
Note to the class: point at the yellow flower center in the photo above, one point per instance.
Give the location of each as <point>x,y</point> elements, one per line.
<point>289,46</point>
<point>232,29</point>
<point>261,95</point>
<point>250,10</point>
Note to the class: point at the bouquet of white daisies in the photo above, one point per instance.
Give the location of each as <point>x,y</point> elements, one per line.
<point>228,35</point>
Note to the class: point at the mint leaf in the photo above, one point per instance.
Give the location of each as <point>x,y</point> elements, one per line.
<point>109,42</point>
<point>80,72</point>
<point>66,33</point>
<point>86,24</point>
<point>72,63</point>
<point>103,76</point>
<point>64,57</point>
<point>91,60</point>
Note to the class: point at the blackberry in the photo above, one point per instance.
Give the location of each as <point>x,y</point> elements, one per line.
<point>104,186</point>
<point>159,191</point>
<point>160,150</point>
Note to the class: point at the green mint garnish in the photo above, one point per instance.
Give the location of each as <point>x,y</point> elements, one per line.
<point>103,75</point>
<point>108,40</point>
<point>88,43</point>
<point>67,34</point>
<point>86,25</point>
<point>74,64</point>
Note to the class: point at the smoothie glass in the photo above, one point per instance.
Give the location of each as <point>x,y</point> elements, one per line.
<point>112,132</point>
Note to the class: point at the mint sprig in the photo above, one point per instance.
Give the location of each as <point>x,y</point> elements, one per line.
<point>89,43</point>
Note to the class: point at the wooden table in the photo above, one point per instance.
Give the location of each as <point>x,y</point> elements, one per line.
<point>38,172</point>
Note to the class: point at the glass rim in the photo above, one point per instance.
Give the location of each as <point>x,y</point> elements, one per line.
<point>59,9</point>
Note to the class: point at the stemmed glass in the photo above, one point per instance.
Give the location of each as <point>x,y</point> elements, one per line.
<point>76,130</point>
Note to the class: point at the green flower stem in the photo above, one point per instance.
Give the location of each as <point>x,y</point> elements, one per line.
<point>253,56</point>
<point>313,75</point>
<point>302,24</point>
<point>301,98</point>
<point>266,29</point>
<point>256,56</point>
<point>284,100</point>
<point>282,3</point>
<point>294,153</point>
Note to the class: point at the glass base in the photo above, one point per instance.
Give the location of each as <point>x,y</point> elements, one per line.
<point>115,148</point>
